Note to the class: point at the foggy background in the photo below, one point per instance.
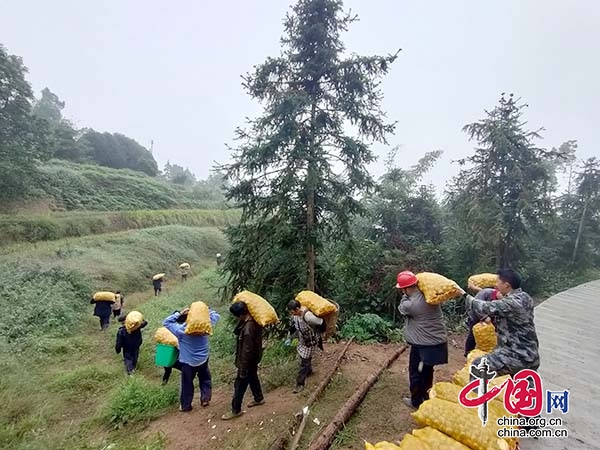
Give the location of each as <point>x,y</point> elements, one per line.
<point>170,71</point>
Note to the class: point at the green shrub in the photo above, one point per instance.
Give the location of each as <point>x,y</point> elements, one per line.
<point>369,328</point>
<point>139,400</point>
<point>37,300</point>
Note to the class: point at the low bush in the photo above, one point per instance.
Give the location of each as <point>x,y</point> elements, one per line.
<point>139,400</point>
<point>370,328</point>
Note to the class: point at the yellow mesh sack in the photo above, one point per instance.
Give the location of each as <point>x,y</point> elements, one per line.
<point>261,310</point>
<point>450,391</point>
<point>463,377</point>
<point>319,306</point>
<point>383,445</point>
<point>133,321</point>
<point>437,440</point>
<point>484,280</point>
<point>461,424</point>
<point>184,266</point>
<point>474,354</point>
<point>158,276</point>
<point>165,337</point>
<point>485,336</point>
<point>437,288</point>
<point>198,320</point>
<point>411,442</point>
<point>104,297</point>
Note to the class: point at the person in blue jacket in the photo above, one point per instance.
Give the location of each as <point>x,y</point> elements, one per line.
<point>193,357</point>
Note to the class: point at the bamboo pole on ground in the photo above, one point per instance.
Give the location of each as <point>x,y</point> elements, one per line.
<point>324,440</point>
<point>281,441</point>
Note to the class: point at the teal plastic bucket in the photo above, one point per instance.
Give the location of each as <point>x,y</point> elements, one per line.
<point>166,355</point>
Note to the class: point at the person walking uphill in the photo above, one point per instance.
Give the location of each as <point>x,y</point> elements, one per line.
<point>102,310</point>
<point>193,357</point>
<point>517,347</point>
<point>248,354</point>
<point>426,334</point>
<point>308,327</point>
<point>157,284</point>
<point>130,344</point>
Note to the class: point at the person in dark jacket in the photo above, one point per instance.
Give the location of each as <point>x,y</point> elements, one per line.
<point>157,284</point>
<point>426,334</point>
<point>487,295</point>
<point>130,344</point>
<point>102,310</point>
<point>248,354</point>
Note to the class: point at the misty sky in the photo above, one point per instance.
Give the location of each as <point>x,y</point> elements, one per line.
<point>170,71</point>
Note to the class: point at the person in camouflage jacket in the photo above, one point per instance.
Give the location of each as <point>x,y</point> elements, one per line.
<point>517,347</point>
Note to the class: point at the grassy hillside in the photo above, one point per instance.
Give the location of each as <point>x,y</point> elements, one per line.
<point>63,386</point>
<point>70,186</point>
<point>47,286</point>
<point>35,228</point>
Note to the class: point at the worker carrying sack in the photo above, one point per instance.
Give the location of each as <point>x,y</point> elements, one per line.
<point>261,310</point>
<point>133,321</point>
<point>484,280</point>
<point>198,320</point>
<point>437,288</point>
<point>327,310</point>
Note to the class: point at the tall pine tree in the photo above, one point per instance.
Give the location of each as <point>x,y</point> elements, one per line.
<point>300,166</point>
<point>499,202</point>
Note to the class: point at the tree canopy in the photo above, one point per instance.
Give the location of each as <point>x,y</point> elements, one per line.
<point>299,169</point>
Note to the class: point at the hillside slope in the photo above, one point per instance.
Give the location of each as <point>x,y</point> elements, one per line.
<point>65,186</point>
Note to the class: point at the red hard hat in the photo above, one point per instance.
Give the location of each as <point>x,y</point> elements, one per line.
<point>406,279</point>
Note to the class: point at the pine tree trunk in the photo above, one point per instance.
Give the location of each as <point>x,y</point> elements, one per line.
<point>579,231</point>
<point>310,206</point>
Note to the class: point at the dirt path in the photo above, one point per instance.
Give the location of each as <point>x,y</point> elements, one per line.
<point>382,416</point>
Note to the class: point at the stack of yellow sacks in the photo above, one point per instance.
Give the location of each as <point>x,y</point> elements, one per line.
<point>437,288</point>
<point>451,426</point>
<point>261,310</point>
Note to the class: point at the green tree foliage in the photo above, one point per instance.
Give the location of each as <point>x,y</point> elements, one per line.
<point>22,136</point>
<point>502,200</point>
<point>582,215</point>
<point>120,152</point>
<point>64,140</point>
<point>297,171</point>
<point>178,175</point>
<point>403,230</point>
<point>49,107</point>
